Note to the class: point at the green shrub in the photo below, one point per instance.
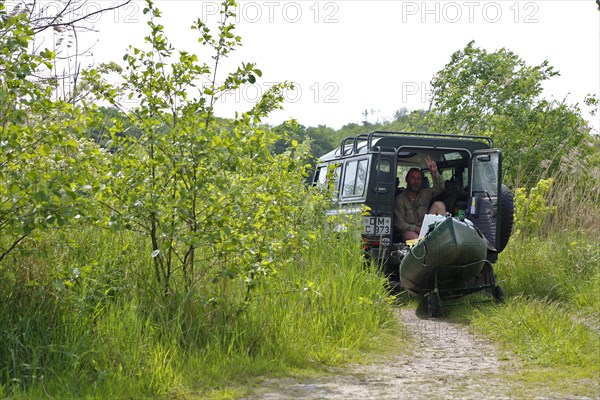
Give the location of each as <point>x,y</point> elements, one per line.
<point>532,209</point>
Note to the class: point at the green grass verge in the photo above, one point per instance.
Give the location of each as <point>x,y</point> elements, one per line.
<point>82,318</point>
<point>541,333</point>
<point>550,318</point>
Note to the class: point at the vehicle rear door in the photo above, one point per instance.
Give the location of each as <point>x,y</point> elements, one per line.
<point>485,189</point>
<point>378,228</point>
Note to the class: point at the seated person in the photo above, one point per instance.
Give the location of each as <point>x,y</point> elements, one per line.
<point>454,196</point>
<point>413,203</point>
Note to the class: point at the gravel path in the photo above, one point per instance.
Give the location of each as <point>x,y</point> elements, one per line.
<point>447,361</point>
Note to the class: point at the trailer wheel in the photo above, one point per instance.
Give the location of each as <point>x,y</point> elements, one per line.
<point>498,294</point>
<point>433,305</point>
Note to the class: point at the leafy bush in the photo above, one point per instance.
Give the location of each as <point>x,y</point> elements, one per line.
<point>46,177</point>
<point>209,194</point>
<point>532,209</point>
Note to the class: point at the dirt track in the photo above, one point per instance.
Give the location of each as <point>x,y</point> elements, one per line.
<point>446,361</point>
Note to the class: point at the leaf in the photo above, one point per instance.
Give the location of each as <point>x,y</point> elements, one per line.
<point>14,188</point>
<point>45,149</point>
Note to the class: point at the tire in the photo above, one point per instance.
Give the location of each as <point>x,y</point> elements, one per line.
<point>433,305</point>
<point>498,294</point>
<point>507,216</point>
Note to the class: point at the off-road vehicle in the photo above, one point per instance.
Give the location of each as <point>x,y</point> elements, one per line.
<point>369,170</point>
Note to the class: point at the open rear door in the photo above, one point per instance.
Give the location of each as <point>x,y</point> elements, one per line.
<point>485,189</point>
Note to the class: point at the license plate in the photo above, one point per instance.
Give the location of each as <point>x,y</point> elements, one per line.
<point>377,225</point>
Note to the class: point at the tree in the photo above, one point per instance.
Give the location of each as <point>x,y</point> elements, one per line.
<point>497,94</point>
<point>319,137</point>
<point>45,166</point>
<point>210,195</point>
<point>406,121</point>
<point>57,25</point>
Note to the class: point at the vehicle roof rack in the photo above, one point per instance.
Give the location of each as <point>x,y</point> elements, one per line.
<point>379,134</point>
<point>442,135</point>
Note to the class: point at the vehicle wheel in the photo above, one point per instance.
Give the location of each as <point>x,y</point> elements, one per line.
<point>433,305</point>
<point>507,215</point>
<point>498,294</point>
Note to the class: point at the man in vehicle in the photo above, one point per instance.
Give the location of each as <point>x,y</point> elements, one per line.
<point>414,202</point>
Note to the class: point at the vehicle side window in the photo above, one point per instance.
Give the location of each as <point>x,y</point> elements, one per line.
<point>427,176</point>
<point>337,172</point>
<point>321,176</point>
<point>447,174</point>
<point>361,178</point>
<point>401,174</point>
<point>355,178</point>
<point>350,178</point>
<point>329,175</point>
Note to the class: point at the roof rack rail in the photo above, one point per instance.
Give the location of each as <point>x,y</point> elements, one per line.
<point>378,134</point>
<point>444,135</point>
<point>343,146</point>
<point>356,139</point>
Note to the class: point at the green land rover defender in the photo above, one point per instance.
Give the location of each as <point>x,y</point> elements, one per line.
<point>369,170</point>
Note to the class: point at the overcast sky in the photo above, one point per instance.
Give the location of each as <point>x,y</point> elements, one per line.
<point>354,55</point>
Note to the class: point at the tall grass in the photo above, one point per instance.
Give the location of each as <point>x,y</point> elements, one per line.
<point>566,202</point>
<point>542,333</point>
<point>551,316</point>
<point>575,194</point>
<point>52,296</point>
<point>555,251</point>
<point>80,317</point>
<point>564,268</point>
<point>550,273</point>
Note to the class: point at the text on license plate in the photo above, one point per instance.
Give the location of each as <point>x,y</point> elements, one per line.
<point>377,225</point>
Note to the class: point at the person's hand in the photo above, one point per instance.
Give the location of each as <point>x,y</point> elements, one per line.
<point>431,165</point>
<point>418,230</point>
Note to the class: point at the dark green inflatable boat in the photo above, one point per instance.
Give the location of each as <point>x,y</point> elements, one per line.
<point>447,262</point>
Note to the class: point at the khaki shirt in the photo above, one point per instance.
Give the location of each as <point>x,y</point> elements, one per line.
<point>409,215</point>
